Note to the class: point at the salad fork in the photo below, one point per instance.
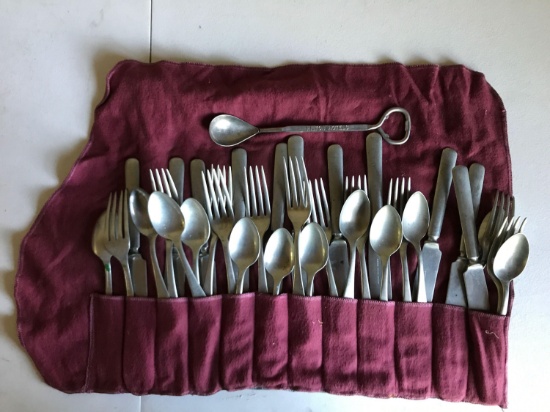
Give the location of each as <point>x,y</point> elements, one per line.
<point>118,234</point>
<point>298,208</point>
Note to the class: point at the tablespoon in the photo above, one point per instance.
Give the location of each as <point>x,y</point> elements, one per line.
<point>386,234</point>
<point>508,264</point>
<point>167,220</point>
<point>138,201</point>
<point>313,252</point>
<point>279,257</point>
<point>227,130</point>
<point>416,219</point>
<point>244,248</point>
<point>196,232</point>
<point>354,222</point>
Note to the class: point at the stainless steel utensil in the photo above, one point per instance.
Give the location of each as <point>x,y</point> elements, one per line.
<point>176,167</point>
<point>118,238</point>
<point>354,222</point>
<point>99,238</point>
<point>416,218</point>
<point>298,208</point>
<point>431,255</point>
<point>279,257</point>
<point>386,234</point>
<point>167,220</point>
<point>244,248</point>
<point>227,130</point>
<point>278,209</point>
<point>196,231</point>
<point>313,248</point>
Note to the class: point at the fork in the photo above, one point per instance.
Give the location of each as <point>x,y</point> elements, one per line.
<point>298,208</point>
<point>258,209</point>
<point>401,194</point>
<point>99,237</point>
<point>118,234</point>
<point>349,188</point>
<point>320,214</point>
<point>503,206</point>
<point>163,182</point>
<point>221,216</point>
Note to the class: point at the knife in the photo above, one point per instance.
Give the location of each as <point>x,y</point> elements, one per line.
<point>295,148</point>
<point>238,169</point>
<point>456,294</point>
<point>278,206</point>
<point>477,295</point>
<point>176,166</point>
<point>338,249</point>
<point>138,265</point>
<point>207,254</point>
<point>374,180</point>
<point>431,254</point>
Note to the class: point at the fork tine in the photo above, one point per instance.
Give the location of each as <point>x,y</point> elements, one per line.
<point>346,187</point>
<point>126,210</point>
<point>259,196</point>
<point>172,185</point>
<point>299,182</point>
<point>207,196</point>
<point>253,204</point>
<point>522,225</point>
<point>214,202</point>
<point>152,177</point>
<point>319,204</point>
<point>159,181</point>
<point>110,217</point>
<point>246,194</point>
<point>313,209</point>
<point>120,217</point>
<point>287,186</point>
<point>266,193</point>
<point>292,178</point>
<point>325,203</point>
<point>228,197</point>
<point>390,191</point>
<point>230,184</point>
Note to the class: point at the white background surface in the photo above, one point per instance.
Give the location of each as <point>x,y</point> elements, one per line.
<point>56,54</point>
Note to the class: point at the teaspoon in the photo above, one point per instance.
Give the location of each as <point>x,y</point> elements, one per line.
<point>244,248</point>
<point>313,252</point>
<point>279,257</point>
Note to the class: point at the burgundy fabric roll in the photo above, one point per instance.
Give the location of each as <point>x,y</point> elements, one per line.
<point>83,341</point>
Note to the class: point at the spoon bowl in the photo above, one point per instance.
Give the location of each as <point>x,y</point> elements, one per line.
<point>386,235</point>
<point>313,252</point>
<point>279,257</point>
<point>167,220</point>
<point>197,229</point>
<point>509,263</point>
<point>415,221</point>
<point>227,130</point>
<point>244,248</point>
<point>354,223</point>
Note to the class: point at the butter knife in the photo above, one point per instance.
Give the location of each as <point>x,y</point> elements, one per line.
<point>374,180</point>
<point>477,295</point>
<point>338,249</point>
<point>138,265</point>
<point>431,255</point>
<point>278,205</point>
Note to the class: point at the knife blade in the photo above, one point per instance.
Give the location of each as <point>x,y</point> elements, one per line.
<point>338,249</point>
<point>138,265</point>
<point>456,294</point>
<point>477,295</point>
<point>278,205</point>
<point>374,181</point>
<point>176,166</point>
<point>431,255</point>
<point>208,254</point>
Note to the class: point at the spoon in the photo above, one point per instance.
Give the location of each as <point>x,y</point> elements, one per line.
<point>508,264</point>
<point>313,252</point>
<point>416,219</point>
<point>195,233</point>
<point>227,130</point>
<point>167,220</point>
<point>386,234</point>
<point>354,222</point>
<point>138,201</point>
<point>244,248</point>
<point>279,257</point>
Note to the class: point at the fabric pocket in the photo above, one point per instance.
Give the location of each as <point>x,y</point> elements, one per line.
<point>375,348</point>
<point>204,344</point>
<point>237,341</point>
<point>171,347</point>
<point>104,370</point>
<point>138,357</point>
<point>271,341</point>
<point>488,356</point>
<point>340,345</point>
<point>413,349</point>
<point>450,354</point>
<point>305,337</point>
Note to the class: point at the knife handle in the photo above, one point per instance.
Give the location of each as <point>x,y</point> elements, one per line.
<point>461,181</point>
<point>238,168</point>
<point>374,171</point>
<point>335,160</point>
<point>131,175</point>
<point>442,188</point>
<point>278,207</point>
<point>477,174</point>
<point>176,166</point>
<point>295,146</point>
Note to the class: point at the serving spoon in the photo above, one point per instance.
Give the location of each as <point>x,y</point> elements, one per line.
<point>227,130</point>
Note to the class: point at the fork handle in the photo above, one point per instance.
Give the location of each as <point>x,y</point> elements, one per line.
<point>297,283</point>
<point>196,290</point>
<point>231,283</point>
<point>162,292</point>
<point>128,278</point>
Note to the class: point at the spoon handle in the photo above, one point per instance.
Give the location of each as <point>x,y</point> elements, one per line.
<point>333,289</point>
<point>384,283</point>
<point>365,287</point>
<point>196,290</point>
<point>162,292</point>
<point>231,284</point>
<point>297,283</point>
<point>421,295</point>
<point>128,278</point>
<point>277,286</point>
<point>240,282</point>
<point>503,305</point>
<point>349,292</point>
<point>407,296</point>
<point>262,277</point>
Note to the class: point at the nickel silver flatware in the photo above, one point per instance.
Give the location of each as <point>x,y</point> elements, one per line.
<point>244,248</point>
<point>313,249</point>
<point>279,257</point>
